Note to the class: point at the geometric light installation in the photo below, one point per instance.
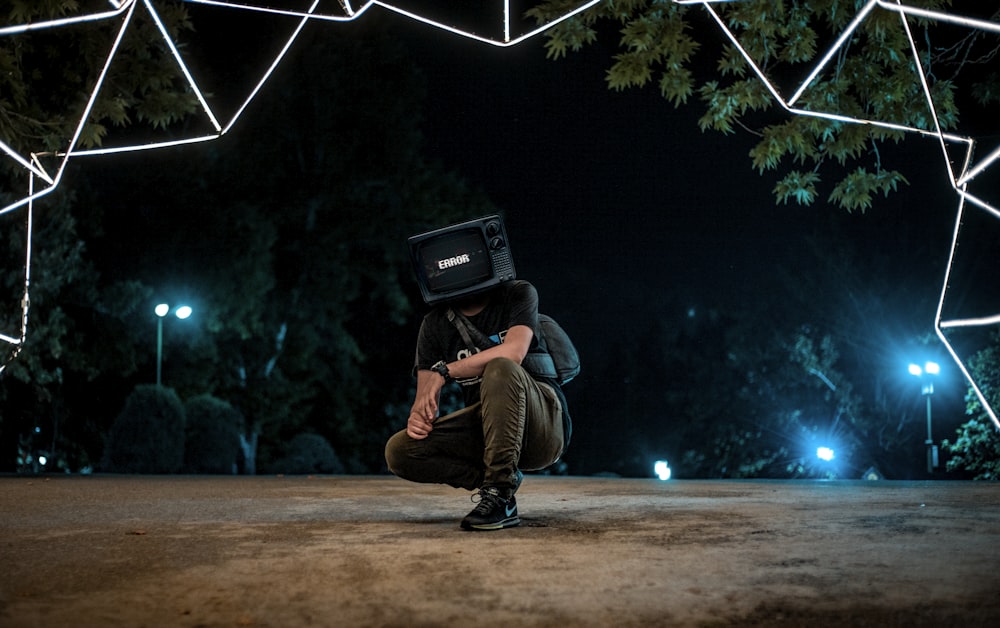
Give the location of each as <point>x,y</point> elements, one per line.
<point>45,171</point>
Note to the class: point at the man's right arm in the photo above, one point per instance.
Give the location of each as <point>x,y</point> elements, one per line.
<point>425,405</point>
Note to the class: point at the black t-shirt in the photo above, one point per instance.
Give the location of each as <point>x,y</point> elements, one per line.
<point>511,303</point>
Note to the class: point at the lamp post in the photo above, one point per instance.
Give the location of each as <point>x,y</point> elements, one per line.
<point>161,311</point>
<point>926,373</point>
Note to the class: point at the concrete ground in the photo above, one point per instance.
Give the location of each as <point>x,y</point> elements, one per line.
<point>377,551</point>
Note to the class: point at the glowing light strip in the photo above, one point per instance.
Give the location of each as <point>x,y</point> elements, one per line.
<point>837,45</point>
<point>940,326</point>
<point>97,90</point>
<point>983,165</point>
<point>24,162</point>
<point>351,15</point>
<point>929,98</point>
<point>819,114</point>
<point>270,70</point>
<point>310,14</point>
<point>506,42</point>
<point>25,300</point>
<point>968,22</point>
<point>486,40</point>
<point>183,66</point>
<point>972,322</point>
<point>506,20</point>
<point>66,21</point>
<point>141,147</point>
<point>54,181</point>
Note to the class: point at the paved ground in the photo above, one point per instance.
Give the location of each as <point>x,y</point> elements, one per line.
<point>377,551</point>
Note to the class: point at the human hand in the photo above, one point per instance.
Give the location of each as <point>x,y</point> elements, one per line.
<point>418,426</point>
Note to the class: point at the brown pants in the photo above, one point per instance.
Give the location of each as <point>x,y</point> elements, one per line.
<point>517,424</point>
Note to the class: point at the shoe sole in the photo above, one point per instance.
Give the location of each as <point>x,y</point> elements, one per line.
<point>498,525</point>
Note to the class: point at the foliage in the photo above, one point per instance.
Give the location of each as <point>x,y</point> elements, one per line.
<point>49,74</point>
<point>148,435</point>
<point>976,449</point>
<point>308,453</point>
<point>872,77</point>
<point>212,442</point>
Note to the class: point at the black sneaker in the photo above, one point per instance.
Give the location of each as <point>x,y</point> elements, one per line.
<point>493,512</point>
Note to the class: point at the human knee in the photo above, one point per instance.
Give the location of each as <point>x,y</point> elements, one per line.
<point>395,454</point>
<point>500,370</point>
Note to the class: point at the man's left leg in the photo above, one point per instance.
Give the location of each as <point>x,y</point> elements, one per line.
<point>512,405</point>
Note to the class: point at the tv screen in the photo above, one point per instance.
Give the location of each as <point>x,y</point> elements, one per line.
<point>455,260</point>
<point>461,259</point>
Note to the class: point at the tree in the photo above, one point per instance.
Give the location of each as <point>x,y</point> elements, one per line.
<point>873,77</point>
<point>976,448</point>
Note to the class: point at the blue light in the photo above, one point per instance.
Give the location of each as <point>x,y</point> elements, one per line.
<point>824,453</point>
<point>662,469</point>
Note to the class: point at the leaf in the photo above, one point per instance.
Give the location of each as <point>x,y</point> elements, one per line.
<point>798,185</point>
<point>677,86</point>
<point>855,191</point>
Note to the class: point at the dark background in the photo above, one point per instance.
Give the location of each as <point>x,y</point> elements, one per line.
<point>620,210</point>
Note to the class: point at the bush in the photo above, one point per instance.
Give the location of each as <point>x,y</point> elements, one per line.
<point>212,442</point>
<point>148,435</point>
<point>308,453</point>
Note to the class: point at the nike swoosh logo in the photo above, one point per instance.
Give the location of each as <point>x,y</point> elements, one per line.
<point>510,509</point>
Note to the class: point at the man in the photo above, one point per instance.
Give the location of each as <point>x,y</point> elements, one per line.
<point>511,421</point>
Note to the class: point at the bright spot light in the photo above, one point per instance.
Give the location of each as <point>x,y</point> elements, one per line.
<point>916,370</point>
<point>162,309</point>
<point>42,460</point>
<point>183,311</point>
<point>932,368</point>
<point>662,470</point>
<point>824,453</point>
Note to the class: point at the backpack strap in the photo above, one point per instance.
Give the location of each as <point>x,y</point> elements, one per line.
<point>474,339</point>
<point>537,363</point>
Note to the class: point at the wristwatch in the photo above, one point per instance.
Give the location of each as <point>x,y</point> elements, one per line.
<point>441,368</point>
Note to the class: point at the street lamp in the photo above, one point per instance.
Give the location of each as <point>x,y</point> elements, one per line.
<point>926,373</point>
<point>181,312</point>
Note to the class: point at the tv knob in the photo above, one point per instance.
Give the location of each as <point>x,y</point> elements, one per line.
<point>493,229</point>
<point>497,243</point>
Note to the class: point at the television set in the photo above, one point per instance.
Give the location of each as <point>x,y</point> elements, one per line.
<point>462,259</point>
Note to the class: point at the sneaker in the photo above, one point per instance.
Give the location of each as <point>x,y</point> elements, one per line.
<point>518,478</point>
<point>493,512</point>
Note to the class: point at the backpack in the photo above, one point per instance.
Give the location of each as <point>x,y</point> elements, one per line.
<point>555,358</point>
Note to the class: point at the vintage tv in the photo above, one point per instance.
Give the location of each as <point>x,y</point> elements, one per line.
<point>461,259</point>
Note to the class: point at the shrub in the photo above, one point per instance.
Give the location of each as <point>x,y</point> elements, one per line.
<point>212,442</point>
<point>148,435</point>
<point>308,453</point>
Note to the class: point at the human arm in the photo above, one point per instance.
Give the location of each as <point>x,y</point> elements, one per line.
<point>514,347</point>
<point>429,383</point>
<point>425,404</point>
